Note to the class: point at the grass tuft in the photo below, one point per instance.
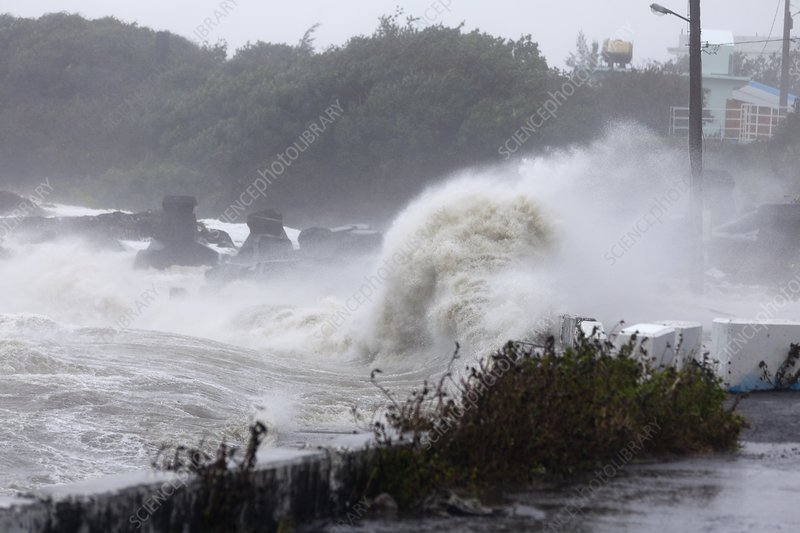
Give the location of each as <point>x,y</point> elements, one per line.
<point>226,485</point>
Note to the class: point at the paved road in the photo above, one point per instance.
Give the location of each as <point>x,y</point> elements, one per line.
<point>754,489</point>
<point>773,416</point>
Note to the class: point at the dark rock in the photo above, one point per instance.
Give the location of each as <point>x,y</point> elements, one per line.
<point>267,252</point>
<point>343,240</point>
<point>315,238</point>
<point>128,226</point>
<point>178,225</point>
<point>119,225</point>
<point>175,241</point>
<point>214,236</point>
<point>104,231</point>
<point>267,240</point>
<point>266,222</point>
<point>107,229</point>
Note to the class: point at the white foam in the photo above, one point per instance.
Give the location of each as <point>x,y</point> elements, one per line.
<point>65,210</point>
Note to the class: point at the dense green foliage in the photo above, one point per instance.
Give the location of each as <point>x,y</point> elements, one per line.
<point>118,114</point>
<point>63,78</point>
<point>782,154</point>
<point>523,414</point>
<point>767,69</point>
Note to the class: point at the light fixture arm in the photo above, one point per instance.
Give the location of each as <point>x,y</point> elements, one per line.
<point>658,9</point>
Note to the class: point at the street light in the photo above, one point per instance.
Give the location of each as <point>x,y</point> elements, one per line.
<point>660,10</point>
<point>695,137</point>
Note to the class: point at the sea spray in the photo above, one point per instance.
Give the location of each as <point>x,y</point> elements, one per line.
<point>475,233</point>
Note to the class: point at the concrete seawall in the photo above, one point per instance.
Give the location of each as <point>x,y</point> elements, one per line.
<point>289,486</point>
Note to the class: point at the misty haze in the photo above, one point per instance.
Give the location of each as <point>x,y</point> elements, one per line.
<point>428,267</point>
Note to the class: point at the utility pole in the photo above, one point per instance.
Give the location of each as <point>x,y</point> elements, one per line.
<point>696,147</point>
<point>787,29</point>
<point>697,261</point>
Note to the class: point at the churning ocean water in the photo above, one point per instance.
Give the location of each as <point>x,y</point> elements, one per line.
<point>100,365</point>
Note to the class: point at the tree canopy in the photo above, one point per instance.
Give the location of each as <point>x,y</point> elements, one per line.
<point>119,114</point>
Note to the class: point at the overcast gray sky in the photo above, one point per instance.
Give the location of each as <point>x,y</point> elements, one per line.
<point>554,25</point>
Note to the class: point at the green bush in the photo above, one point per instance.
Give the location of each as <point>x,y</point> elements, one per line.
<point>527,412</point>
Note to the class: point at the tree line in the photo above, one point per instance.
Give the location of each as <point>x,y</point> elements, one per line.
<point>117,114</point>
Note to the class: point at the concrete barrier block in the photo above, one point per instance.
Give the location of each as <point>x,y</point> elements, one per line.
<point>654,341</point>
<point>688,344</point>
<point>593,330</point>
<point>571,326</point>
<point>740,345</point>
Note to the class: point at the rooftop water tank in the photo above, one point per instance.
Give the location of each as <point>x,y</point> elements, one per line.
<point>616,51</point>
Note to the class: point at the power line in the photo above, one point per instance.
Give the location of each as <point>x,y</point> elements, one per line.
<point>774,19</point>
<point>791,39</point>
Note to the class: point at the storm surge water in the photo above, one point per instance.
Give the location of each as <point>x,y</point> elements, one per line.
<point>468,262</point>
<point>101,364</point>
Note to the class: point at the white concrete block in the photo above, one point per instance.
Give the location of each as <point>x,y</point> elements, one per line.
<point>656,340</point>
<point>593,330</point>
<point>688,342</point>
<point>741,344</point>
<point>572,325</point>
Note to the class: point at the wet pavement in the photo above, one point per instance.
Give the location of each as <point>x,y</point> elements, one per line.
<point>772,416</point>
<point>753,490</point>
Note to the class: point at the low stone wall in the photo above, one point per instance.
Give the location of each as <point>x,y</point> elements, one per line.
<point>289,486</point>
